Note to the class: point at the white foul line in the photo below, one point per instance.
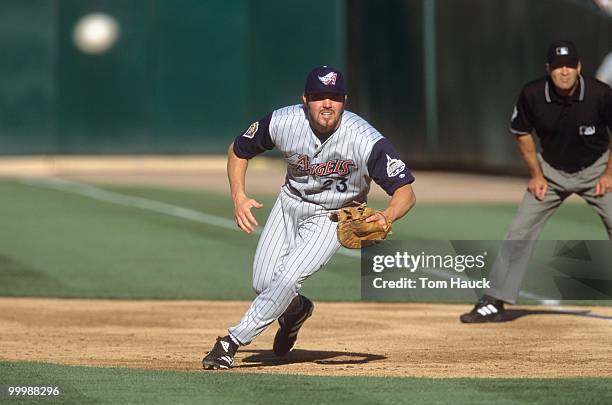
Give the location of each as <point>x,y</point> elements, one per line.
<point>184,213</point>
<point>131,201</point>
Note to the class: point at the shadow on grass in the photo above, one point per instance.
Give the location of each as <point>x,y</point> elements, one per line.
<point>259,358</point>
<point>512,314</point>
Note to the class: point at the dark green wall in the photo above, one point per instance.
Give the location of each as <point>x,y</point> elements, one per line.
<point>285,40</point>
<point>106,102</point>
<point>486,50</point>
<point>27,86</point>
<point>184,77</point>
<point>200,81</point>
<point>483,65</point>
<point>187,76</point>
<point>385,59</point>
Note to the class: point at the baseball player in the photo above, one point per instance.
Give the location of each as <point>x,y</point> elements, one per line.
<point>332,155</point>
<point>569,113</point>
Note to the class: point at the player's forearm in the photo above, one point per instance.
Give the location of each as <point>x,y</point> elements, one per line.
<point>236,172</point>
<point>402,201</point>
<point>528,151</point>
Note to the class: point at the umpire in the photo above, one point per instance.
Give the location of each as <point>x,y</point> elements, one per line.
<point>569,113</point>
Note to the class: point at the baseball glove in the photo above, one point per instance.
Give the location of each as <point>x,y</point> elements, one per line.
<point>353,231</point>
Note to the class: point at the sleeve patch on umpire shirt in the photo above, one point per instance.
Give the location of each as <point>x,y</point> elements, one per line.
<point>586,130</point>
<point>394,166</point>
<point>250,133</point>
<point>514,114</point>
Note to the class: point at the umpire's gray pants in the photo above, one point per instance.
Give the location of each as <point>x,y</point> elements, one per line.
<point>510,267</point>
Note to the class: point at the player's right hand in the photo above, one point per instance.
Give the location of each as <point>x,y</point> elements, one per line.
<point>242,213</point>
<point>538,187</point>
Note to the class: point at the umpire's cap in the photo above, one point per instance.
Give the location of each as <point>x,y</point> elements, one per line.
<point>563,53</point>
<point>324,79</point>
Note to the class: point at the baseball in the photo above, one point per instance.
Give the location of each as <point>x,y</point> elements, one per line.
<point>95,33</point>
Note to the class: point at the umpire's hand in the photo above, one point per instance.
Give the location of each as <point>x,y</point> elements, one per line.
<point>604,185</point>
<point>538,187</point>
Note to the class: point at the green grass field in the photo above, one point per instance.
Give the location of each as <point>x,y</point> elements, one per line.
<point>86,385</point>
<point>67,240</point>
<point>57,243</point>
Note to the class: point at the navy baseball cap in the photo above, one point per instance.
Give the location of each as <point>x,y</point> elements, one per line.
<point>324,79</point>
<point>563,53</point>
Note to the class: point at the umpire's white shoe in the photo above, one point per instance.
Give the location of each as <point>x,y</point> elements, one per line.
<point>488,309</point>
<point>222,354</point>
<point>290,325</point>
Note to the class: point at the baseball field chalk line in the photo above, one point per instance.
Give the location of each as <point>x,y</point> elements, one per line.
<point>132,201</point>
<point>112,197</point>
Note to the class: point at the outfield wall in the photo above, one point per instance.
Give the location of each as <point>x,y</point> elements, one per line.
<point>183,77</point>
<point>438,77</point>
<point>485,50</point>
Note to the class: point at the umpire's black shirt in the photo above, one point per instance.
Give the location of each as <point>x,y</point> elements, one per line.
<point>572,130</point>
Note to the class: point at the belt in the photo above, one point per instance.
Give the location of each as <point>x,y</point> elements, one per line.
<point>575,169</point>
<point>572,169</point>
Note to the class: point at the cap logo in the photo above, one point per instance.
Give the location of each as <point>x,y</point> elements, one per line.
<point>562,50</point>
<point>329,79</point>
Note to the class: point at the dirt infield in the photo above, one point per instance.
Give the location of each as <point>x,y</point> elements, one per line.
<point>347,339</point>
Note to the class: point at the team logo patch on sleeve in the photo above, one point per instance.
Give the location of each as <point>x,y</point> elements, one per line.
<point>394,166</point>
<point>250,133</point>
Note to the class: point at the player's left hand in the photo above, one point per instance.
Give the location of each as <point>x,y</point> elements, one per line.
<point>604,185</point>
<point>380,218</point>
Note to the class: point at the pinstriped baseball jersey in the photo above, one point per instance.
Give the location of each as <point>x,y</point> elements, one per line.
<point>331,172</point>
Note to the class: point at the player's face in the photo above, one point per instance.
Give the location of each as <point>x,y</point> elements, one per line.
<point>325,110</point>
<point>564,78</point>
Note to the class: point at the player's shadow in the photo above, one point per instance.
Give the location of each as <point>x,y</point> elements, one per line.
<point>513,314</point>
<point>259,358</point>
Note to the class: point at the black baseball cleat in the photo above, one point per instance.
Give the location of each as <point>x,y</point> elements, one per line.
<point>222,354</point>
<point>290,325</point>
<point>488,309</point>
